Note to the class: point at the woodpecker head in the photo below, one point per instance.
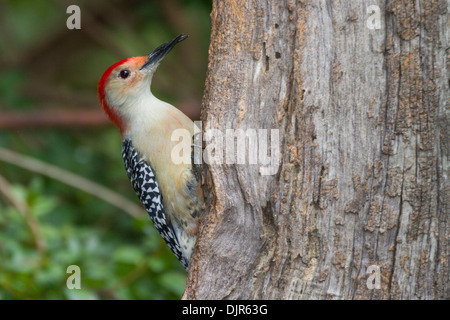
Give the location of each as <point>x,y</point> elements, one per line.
<point>127,80</point>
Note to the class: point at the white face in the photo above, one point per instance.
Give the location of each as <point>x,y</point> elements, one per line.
<point>127,83</point>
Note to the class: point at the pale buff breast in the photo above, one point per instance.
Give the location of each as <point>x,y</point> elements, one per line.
<point>155,145</point>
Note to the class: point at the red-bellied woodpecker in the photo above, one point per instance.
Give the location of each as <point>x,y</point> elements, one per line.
<point>170,191</point>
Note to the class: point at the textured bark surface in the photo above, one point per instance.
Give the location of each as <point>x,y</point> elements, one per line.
<point>364,139</point>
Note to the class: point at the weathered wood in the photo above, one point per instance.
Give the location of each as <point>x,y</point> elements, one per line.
<point>364,140</point>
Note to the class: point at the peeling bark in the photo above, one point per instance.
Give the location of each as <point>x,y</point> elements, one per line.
<point>363,180</point>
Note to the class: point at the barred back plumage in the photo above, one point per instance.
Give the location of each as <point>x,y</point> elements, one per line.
<point>144,183</point>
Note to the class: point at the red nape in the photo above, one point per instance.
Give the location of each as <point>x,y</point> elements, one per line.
<point>113,116</point>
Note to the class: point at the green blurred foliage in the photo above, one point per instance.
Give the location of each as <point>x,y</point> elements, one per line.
<point>46,66</point>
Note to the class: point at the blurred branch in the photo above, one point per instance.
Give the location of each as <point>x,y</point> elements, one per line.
<point>44,91</point>
<point>53,118</point>
<point>31,221</point>
<point>63,118</point>
<point>73,180</point>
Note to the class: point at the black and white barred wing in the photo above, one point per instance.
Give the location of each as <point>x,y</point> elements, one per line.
<point>144,183</point>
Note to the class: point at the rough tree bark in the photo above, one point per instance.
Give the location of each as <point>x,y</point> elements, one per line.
<point>362,115</point>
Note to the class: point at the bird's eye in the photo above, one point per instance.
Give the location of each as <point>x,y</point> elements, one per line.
<point>125,73</point>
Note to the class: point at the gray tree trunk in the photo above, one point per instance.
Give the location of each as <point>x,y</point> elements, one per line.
<point>362,192</point>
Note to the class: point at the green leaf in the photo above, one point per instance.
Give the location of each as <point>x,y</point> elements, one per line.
<point>128,254</point>
<point>173,281</point>
<point>80,294</point>
<point>43,205</point>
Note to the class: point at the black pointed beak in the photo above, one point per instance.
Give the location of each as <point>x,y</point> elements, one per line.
<point>159,53</point>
